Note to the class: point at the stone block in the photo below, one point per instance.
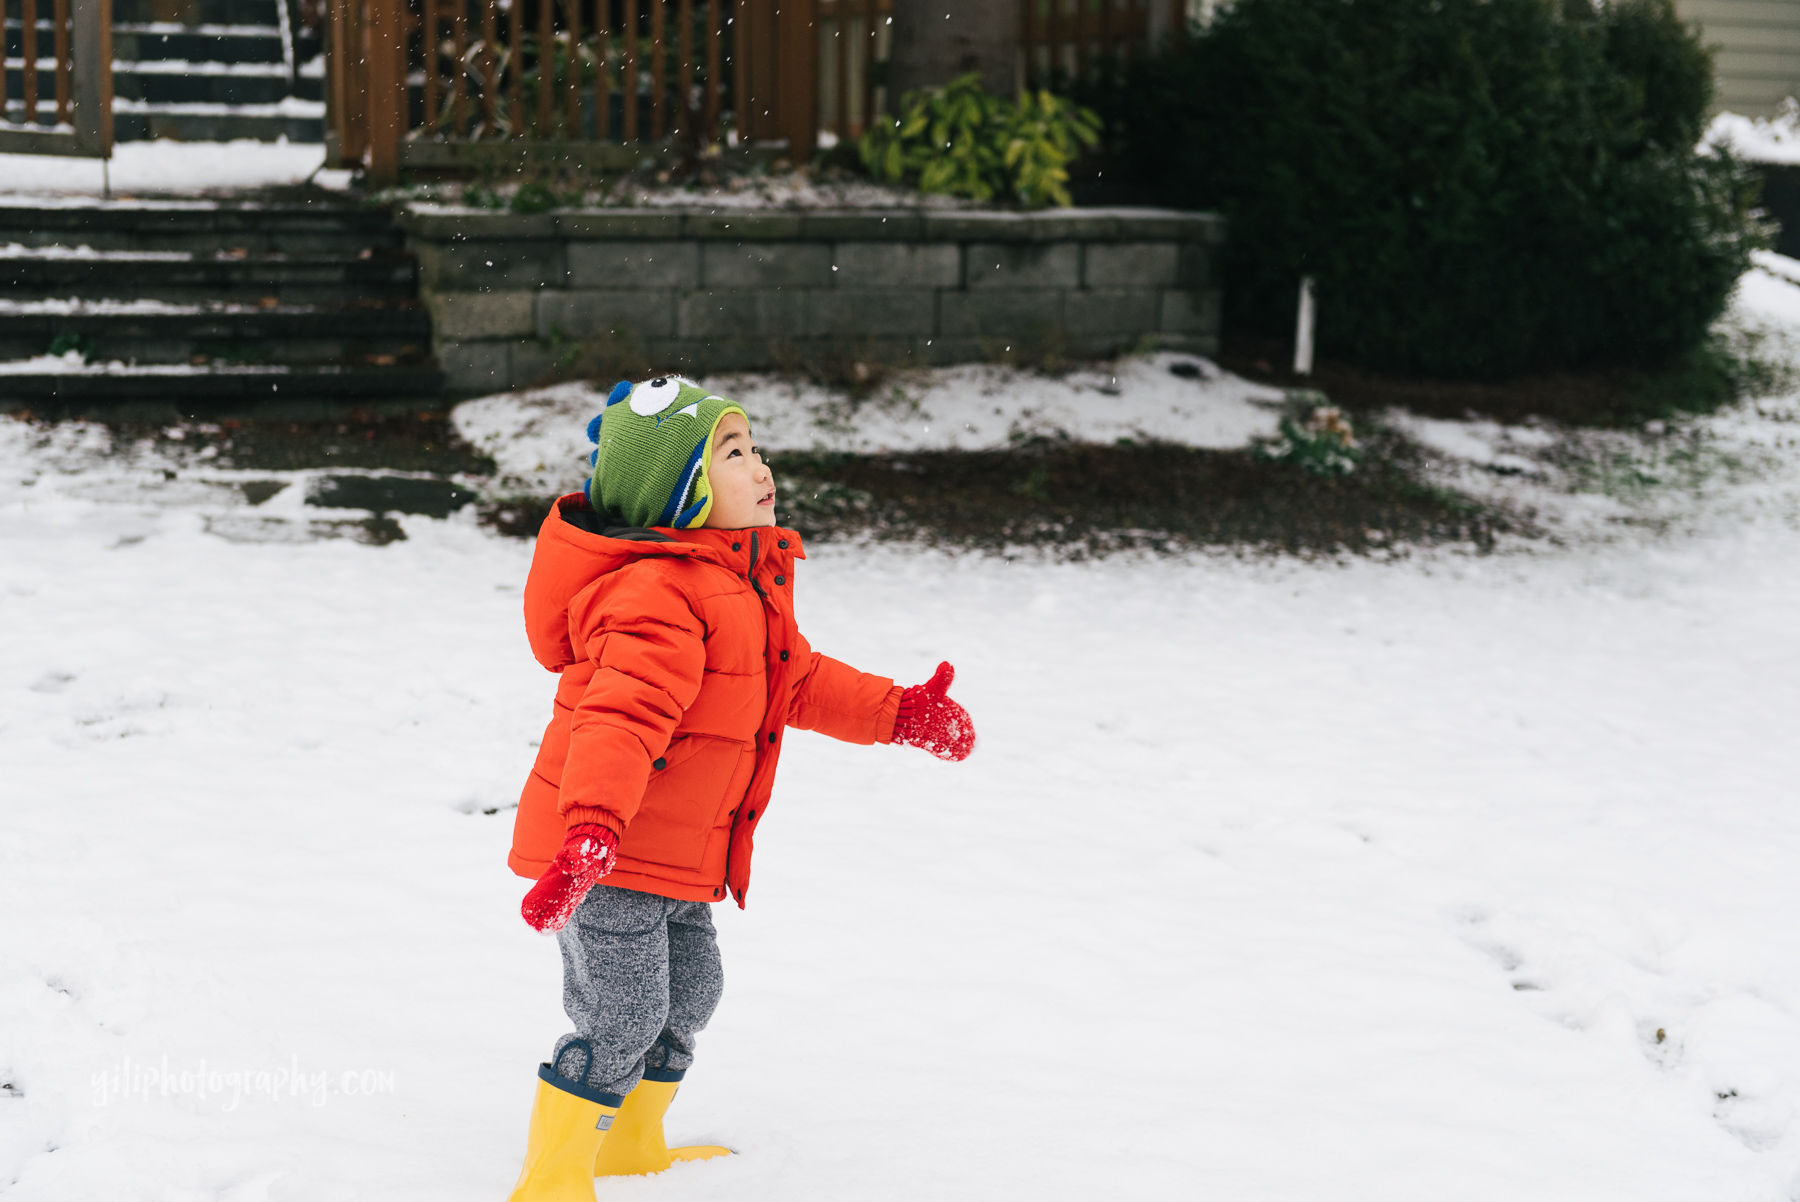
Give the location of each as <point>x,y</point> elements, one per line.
<point>474,367</point>
<point>586,312</point>
<point>766,265</point>
<point>1068,225</point>
<point>899,265</point>
<point>862,225</point>
<point>955,225</point>
<point>1020,313</point>
<point>465,316</point>
<point>743,225</point>
<point>1196,266</point>
<point>889,313</point>
<point>458,227</point>
<point>1131,264</point>
<point>622,224</point>
<point>1169,225</point>
<point>532,361</point>
<point>727,314</point>
<point>1013,265</point>
<point>1186,312</point>
<point>632,265</point>
<point>1110,311</point>
<point>481,266</point>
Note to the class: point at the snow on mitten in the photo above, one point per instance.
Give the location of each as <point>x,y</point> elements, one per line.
<point>588,853</point>
<point>930,720</point>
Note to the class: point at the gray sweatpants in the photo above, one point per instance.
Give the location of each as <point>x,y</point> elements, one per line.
<point>641,977</point>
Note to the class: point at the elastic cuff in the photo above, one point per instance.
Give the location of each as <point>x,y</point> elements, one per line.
<point>577,815</point>
<point>888,715</point>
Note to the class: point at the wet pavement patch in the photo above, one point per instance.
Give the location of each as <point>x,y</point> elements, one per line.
<point>242,528</point>
<point>389,494</point>
<point>258,491</point>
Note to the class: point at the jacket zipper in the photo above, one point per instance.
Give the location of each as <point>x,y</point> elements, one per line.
<point>751,574</point>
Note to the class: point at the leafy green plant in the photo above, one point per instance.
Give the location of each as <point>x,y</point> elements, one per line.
<point>1324,445</point>
<point>68,341</point>
<point>961,140</point>
<point>1044,134</point>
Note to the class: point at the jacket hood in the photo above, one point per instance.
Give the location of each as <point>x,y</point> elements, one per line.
<point>576,546</point>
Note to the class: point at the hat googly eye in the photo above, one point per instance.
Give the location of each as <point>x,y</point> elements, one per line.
<point>653,396</point>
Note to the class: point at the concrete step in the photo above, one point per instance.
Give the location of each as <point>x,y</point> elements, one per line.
<point>112,390</point>
<point>196,12</point>
<point>217,123</point>
<point>180,277</point>
<point>154,41</point>
<point>393,334</point>
<point>203,226</point>
<point>284,302</point>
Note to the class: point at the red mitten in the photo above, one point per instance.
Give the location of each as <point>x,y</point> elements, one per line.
<point>588,853</point>
<point>931,720</point>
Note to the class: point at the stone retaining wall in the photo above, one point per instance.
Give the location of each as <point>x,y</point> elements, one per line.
<point>511,295</point>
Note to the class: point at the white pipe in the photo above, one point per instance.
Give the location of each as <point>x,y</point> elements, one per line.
<point>1303,329</point>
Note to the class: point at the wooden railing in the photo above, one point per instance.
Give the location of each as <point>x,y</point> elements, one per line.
<point>854,36</point>
<point>1067,40</point>
<point>78,34</point>
<point>415,83</point>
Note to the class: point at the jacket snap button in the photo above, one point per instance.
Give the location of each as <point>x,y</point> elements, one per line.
<point>771,736</point>
<point>751,816</point>
<point>659,763</point>
<point>715,893</point>
<point>780,580</point>
<point>734,547</point>
<point>784,657</point>
<point>782,544</point>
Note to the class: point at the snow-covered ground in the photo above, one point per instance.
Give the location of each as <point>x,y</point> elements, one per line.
<point>1760,139</point>
<point>539,441</point>
<point>1454,877</point>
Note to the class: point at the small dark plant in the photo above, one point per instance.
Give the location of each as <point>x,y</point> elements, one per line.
<point>1324,444</point>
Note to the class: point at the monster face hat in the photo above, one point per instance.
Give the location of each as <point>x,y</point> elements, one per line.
<point>655,445</point>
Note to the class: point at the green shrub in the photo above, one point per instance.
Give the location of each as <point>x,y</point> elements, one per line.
<point>1479,187</point>
<point>961,140</point>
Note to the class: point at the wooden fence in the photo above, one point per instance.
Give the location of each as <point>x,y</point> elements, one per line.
<point>415,83</point>
<point>1065,40</point>
<point>71,112</point>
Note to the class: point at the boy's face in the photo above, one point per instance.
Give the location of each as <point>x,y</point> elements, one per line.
<point>743,488</point>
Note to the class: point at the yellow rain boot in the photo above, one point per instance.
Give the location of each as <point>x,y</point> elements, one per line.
<point>569,1126</point>
<point>635,1143</point>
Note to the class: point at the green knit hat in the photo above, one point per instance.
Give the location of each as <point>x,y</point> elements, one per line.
<point>655,448</point>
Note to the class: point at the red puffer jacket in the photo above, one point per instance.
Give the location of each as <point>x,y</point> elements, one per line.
<point>681,666</point>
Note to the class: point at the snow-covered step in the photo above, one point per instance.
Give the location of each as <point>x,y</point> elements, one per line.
<point>48,385</point>
<point>158,332</point>
<point>206,226</point>
<point>269,279</point>
<point>208,304</point>
<point>216,70</point>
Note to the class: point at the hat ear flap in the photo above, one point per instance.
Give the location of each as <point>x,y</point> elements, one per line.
<point>620,391</point>
<point>594,428</point>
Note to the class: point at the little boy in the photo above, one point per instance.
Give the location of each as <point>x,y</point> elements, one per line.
<point>663,597</point>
